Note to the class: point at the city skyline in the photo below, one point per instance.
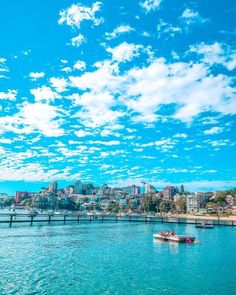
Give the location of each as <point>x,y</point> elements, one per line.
<point>64,185</point>
<point>117,93</point>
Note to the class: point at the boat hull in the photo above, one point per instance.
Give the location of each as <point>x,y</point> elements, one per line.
<point>175,238</point>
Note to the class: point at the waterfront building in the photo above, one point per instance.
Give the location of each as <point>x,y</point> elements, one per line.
<point>123,203</point>
<point>70,189</point>
<point>149,189</point>
<point>181,189</point>
<point>53,187</point>
<point>169,192</point>
<point>104,190</point>
<point>78,187</point>
<point>88,189</point>
<point>116,191</point>
<point>194,202</point>
<point>131,190</point>
<point>20,196</point>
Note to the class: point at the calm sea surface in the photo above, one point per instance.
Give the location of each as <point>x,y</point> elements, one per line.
<point>112,258</point>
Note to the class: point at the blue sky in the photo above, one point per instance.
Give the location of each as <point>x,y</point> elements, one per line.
<point>117,92</point>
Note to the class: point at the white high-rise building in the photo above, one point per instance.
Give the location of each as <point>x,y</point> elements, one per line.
<point>195,201</point>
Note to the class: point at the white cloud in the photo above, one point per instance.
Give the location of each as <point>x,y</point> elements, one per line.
<point>33,117</point>
<point>166,28</point>
<point>5,140</point>
<point>36,75</point>
<point>149,5</point>
<point>214,130</point>
<point>218,143</point>
<point>191,17</point>
<point>82,133</point>
<point>181,135</point>
<point>125,52</point>
<point>44,94</point>
<point>190,86</point>
<point>108,143</point>
<point>66,70</point>
<point>216,53</point>
<point>26,52</point>
<point>3,60</point>
<point>118,31</point>
<point>77,41</point>
<point>59,84</point>
<point>98,81</point>
<point>96,109</point>
<point>9,95</point>
<point>76,14</point>
<point>79,65</point>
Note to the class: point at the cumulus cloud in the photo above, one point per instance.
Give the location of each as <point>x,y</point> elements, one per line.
<point>79,65</point>
<point>214,130</point>
<point>44,94</point>
<point>149,5</point>
<point>192,17</point>
<point>192,87</point>
<point>216,53</point>
<point>96,109</point>
<point>59,84</point>
<point>109,143</point>
<point>188,87</point>
<point>77,41</point>
<point>9,95</point>
<point>125,51</point>
<point>36,75</point>
<point>166,28</point>
<point>181,135</point>
<point>33,117</point>
<point>77,13</point>
<point>118,31</point>
<point>82,133</point>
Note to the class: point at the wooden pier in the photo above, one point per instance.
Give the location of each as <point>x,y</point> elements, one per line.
<point>49,218</point>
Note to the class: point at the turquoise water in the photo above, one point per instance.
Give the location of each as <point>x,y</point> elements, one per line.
<point>112,258</point>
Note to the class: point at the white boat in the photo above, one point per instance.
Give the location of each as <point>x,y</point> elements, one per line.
<point>174,238</point>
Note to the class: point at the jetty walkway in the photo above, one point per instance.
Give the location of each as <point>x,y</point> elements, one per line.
<point>48,218</point>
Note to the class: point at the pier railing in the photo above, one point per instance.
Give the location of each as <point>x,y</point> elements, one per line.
<point>48,218</point>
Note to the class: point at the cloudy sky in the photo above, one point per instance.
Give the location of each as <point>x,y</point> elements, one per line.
<point>117,92</point>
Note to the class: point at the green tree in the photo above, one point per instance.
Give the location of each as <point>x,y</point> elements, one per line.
<point>180,205</point>
<point>166,206</point>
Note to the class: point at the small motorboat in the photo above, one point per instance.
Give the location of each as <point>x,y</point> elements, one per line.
<point>174,238</point>
<point>203,225</point>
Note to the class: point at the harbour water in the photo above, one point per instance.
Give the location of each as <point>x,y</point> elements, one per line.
<point>115,258</point>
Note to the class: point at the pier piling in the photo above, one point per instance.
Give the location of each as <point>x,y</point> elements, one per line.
<point>11,218</point>
<point>31,220</point>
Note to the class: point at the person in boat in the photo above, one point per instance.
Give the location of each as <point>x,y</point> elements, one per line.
<point>172,233</point>
<point>164,233</point>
